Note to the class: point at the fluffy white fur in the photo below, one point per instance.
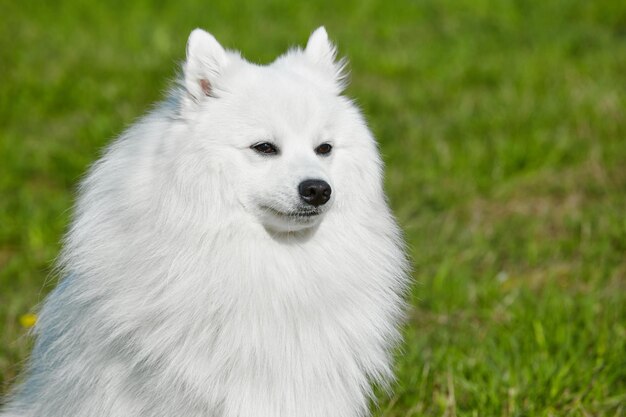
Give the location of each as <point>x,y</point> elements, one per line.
<point>187,293</point>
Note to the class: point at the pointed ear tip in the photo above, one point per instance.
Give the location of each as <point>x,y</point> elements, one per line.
<point>201,42</point>
<point>198,35</point>
<point>194,39</point>
<point>320,32</point>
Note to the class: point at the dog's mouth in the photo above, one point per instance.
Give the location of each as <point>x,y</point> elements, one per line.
<point>293,214</point>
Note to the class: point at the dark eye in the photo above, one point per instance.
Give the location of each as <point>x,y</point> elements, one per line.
<point>265,148</point>
<point>324,149</point>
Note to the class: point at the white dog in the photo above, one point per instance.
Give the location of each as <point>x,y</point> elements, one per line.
<point>232,255</point>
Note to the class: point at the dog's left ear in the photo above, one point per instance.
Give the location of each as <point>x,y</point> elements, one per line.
<point>323,54</point>
<point>206,59</point>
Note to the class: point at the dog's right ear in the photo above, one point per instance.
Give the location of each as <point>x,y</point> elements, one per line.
<point>206,58</point>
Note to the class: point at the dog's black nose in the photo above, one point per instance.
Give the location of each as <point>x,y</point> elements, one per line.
<point>314,192</point>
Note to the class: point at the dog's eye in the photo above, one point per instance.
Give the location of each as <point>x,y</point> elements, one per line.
<point>265,148</point>
<point>324,149</point>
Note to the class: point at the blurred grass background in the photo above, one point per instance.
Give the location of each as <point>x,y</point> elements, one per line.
<point>503,127</point>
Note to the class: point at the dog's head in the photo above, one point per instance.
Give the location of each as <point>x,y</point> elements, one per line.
<point>282,136</point>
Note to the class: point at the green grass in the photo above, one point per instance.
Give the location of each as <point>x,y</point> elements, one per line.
<point>503,126</point>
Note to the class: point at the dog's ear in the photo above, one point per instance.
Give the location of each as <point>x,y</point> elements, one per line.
<point>206,58</point>
<point>322,53</point>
